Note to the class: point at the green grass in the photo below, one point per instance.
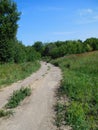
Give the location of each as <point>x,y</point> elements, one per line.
<point>10,73</point>
<point>5,113</point>
<point>17,97</point>
<point>15,100</point>
<point>80,84</point>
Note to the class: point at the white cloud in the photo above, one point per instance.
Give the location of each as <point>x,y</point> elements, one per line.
<point>85,11</point>
<point>96,17</point>
<point>50,8</point>
<point>86,16</point>
<point>87,21</point>
<point>64,33</point>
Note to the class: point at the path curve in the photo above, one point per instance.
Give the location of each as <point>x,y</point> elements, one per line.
<point>35,112</point>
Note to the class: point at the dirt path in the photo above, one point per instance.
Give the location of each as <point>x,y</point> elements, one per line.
<point>36,111</point>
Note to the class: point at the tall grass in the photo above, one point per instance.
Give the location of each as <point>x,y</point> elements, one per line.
<point>10,73</point>
<point>80,84</point>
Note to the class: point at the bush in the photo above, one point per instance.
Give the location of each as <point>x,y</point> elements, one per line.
<point>19,53</point>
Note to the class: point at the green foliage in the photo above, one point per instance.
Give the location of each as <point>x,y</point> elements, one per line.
<point>76,116</point>
<point>17,97</point>
<point>25,54</point>
<point>80,84</point>
<point>4,113</point>
<point>8,19</point>
<point>92,42</point>
<point>63,48</point>
<point>46,58</point>
<point>10,73</point>
<point>48,49</point>
<point>6,51</point>
<point>59,48</point>
<point>38,46</point>
<point>60,114</point>
<point>19,52</point>
<point>12,50</point>
<point>8,28</point>
<point>32,54</point>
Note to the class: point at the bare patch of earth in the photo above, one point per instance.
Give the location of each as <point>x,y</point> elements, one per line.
<point>35,112</point>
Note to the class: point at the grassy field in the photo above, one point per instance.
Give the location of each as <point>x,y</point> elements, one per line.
<point>10,73</point>
<point>80,84</point>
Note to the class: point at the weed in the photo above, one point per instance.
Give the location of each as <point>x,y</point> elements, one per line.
<point>17,97</point>
<point>60,114</point>
<point>10,73</point>
<point>4,113</point>
<point>80,84</point>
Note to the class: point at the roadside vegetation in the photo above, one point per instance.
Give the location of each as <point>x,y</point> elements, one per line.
<point>15,99</point>
<point>17,61</point>
<point>5,113</point>
<point>58,49</point>
<point>10,73</point>
<point>80,71</point>
<point>17,96</point>
<point>80,84</point>
<point>78,61</point>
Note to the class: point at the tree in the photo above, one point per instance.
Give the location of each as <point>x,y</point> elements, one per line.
<point>92,43</point>
<point>8,29</point>
<point>32,54</point>
<point>48,49</point>
<point>19,52</point>
<point>38,47</point>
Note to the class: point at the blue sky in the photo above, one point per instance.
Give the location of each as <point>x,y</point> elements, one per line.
<point>52,20</point>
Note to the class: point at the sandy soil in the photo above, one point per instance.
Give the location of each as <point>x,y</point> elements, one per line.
<point>35,112</point>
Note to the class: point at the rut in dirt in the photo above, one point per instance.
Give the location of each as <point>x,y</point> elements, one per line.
<point>35,112</point>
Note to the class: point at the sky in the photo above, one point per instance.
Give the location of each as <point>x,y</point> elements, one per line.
<point>53,20</point>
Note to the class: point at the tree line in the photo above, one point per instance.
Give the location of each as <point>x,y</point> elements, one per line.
<point>62,48</point>
<point>12,50</point>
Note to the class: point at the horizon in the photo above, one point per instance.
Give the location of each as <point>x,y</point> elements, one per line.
<point>52,20</point>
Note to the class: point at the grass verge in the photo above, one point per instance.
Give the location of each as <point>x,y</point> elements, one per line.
<point>80,84</point>
<point>10,73</point>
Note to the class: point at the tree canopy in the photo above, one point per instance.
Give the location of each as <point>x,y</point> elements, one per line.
<point>9,16</point>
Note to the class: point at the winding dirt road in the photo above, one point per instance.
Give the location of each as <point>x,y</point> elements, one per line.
<point>35,112</point>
